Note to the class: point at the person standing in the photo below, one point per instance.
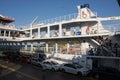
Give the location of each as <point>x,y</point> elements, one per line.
<point>88,30</point>
<point>84,47</point>
<point>64,31</point>
<point>89,49</point>
<point>56,33</point>
<point>74,31</point>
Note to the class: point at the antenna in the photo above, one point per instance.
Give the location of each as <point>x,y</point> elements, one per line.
<point>33,21</point>
<point>79,11</point>
<point>31,24</point>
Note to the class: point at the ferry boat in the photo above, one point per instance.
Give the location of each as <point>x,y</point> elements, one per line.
<point>79,38</point>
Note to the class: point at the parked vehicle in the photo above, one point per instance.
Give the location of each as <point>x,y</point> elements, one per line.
<point>25,59</point>
<point>36,61</point>
<point>40,55</point>
<point>51,65</point>
<point>105,73</point>
<point>74,69</point>
<point>55,66</point>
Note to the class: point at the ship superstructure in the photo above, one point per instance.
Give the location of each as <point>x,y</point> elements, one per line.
<point>8,31</point>
<point>72,36</point>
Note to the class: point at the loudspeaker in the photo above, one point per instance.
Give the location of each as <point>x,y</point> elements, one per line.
<point>118,2</point>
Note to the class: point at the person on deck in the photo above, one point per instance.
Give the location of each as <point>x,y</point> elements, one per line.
<point>64,31</point>
<point>74,31</point>
<point>84,47</point>
<point>88,30</point>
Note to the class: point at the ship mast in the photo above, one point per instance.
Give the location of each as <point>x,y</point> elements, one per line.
<point>31,25</point>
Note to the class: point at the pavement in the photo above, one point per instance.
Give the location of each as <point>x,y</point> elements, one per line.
<point>20,71</point>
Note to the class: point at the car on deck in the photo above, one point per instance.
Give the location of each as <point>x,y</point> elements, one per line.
<point>51,65</point>
<point>74,69</point>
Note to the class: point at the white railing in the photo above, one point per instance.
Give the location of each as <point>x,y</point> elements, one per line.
<point>53,20</point>
<point>11,26</point>
<point>113,27</point>
<point>23,27</point>
<point>59,19</point>
<point>56,20</point>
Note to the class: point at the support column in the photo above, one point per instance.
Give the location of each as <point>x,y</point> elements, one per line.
<point>9,46</point>
<point>48,31</point>
<point>60,30</point>
<point>25,46</point>
<point>99,26</point>
<point>16,46</point>
<point>46,47</point>
<point>9,34</point>
<point>21,46</point>
<point>4,32</point>
<point>31,33</point>
<point>68,45</point>
<point>12,46</point>
<point>31,48</point>
<point>12,43</point>
<point>56,48</point>
<point>38,32</point>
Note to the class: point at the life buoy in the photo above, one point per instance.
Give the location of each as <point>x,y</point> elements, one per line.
<point>84,15</point>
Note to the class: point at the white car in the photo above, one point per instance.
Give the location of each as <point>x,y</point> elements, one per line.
<point>51,65</point>
<point>74,69</point>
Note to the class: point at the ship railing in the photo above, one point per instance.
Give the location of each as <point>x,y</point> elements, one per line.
<point>20,38</point>
<point>59,19</point>
<point>11,26</point>
<point>102,51</point>
<point>53,20</point>
<point>68,17</point>
<point>45,36</point>
<point>20,27</point>
<point>102,31</point>
<point>62,18</point>
<point>113,27</point>
<point>68,34</point>
<point>96,51</point>
<point>14,38</point>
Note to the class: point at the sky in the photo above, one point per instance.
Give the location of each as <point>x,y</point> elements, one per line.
<point>24,11</point>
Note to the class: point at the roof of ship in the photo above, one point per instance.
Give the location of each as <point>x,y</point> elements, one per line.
<point>5,19</point>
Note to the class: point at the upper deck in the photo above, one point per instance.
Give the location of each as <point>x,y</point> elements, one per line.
<point>85,23</point>
<point>7,29</point>
<point>64,30</point>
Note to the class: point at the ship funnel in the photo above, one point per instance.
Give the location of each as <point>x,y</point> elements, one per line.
<point>85,12</point>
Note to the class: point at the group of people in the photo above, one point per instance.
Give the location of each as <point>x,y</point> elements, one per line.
<point>113,48</point>
<point>107,48</point>
<point>74,31</point>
